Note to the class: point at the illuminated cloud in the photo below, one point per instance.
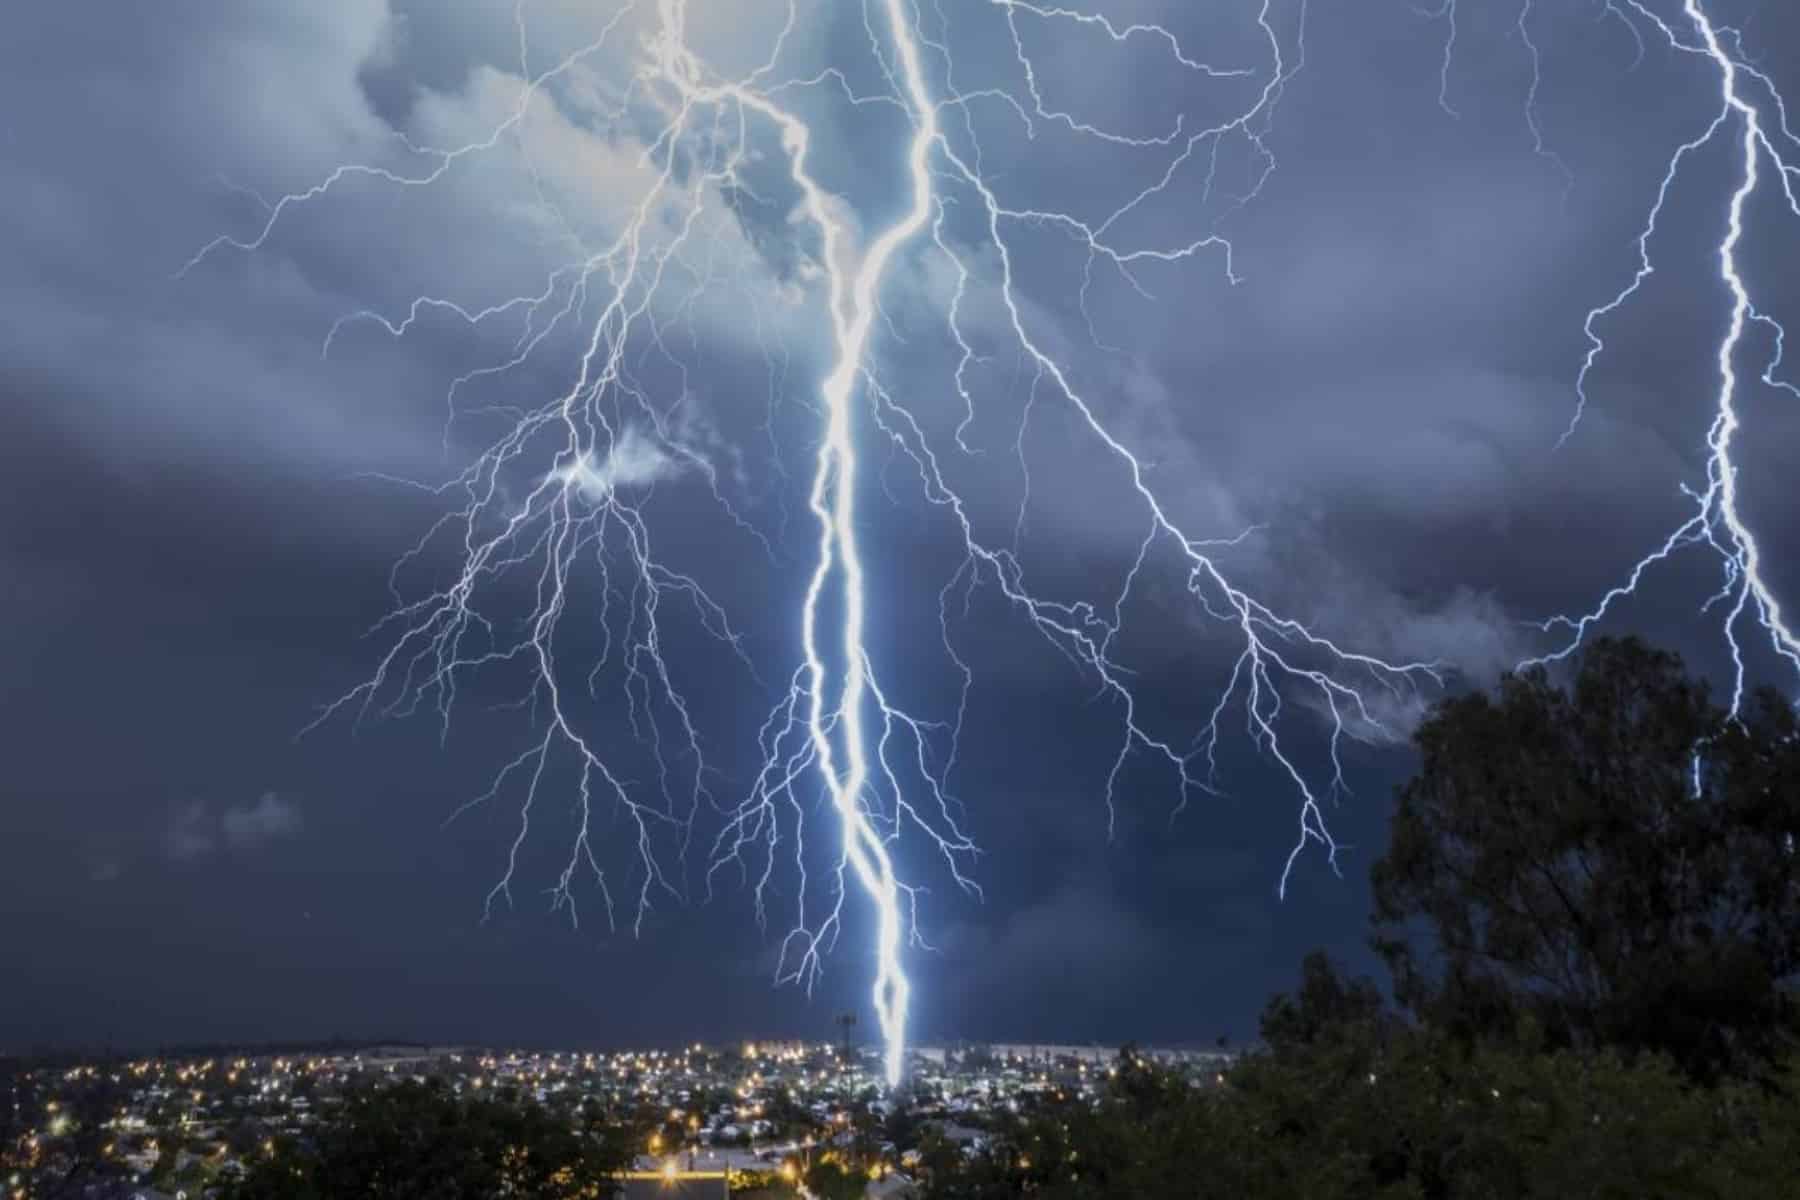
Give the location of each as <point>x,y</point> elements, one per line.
<point>194,832</point>
<point>191,834</point>
<point>252,825</point>
<point>635,461</point>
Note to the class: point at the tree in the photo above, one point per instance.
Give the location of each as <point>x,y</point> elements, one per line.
<point>1420,1116</point>
<point>18,1105</point>
<point>940,1160</point>
<point>171,1147</point>
<point>1326,1007</point>
<point>830,1179</point>
<point>66,1130</point>
<point>244,1138</point>
<point>901,1127</point>
<point>414,1141</point>
<point>1615,862</point>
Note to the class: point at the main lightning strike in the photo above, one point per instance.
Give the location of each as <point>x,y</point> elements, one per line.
<point>1717,521</point>
<point>1079,630</point>
<point>565,488</point>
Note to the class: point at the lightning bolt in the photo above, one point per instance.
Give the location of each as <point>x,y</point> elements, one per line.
<point>1752,108</point>
<point>559,508</point>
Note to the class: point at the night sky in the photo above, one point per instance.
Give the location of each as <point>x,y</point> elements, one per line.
<point>204,508</point>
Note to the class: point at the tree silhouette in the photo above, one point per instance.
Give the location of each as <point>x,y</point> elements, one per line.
<point>1614,862</point>
<point>418,1141</point>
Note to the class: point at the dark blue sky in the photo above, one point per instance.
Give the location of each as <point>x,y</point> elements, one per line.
<point>205,509</point>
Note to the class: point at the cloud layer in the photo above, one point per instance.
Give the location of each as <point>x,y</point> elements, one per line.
<point>212,505</point>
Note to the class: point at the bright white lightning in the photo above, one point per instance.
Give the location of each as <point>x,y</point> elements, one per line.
<point>1717,520</point>
<point>833,502</point>
<point>591,456</point>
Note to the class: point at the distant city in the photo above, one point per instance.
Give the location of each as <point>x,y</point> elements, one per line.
<point>187,1125</point>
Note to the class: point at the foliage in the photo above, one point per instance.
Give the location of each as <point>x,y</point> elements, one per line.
<point>901,1127</point>
<point>1325,1007</point>
<point>1411,1116</point>
<point>418,1140</point>
<point>829,1179</point>
<point>1615,862</point>
<point>1591,909</point>
<point>56,1140</point>
<point>760,1185</point>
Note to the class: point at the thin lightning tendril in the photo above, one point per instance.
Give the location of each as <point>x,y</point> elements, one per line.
<point>1716,520</point>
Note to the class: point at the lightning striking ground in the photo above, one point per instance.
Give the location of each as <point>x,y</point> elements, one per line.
<point>563,580</point>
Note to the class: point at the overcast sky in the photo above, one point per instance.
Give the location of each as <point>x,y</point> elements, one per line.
<point>214,473</point>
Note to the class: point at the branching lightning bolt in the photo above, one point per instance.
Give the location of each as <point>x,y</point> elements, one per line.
<point>559,503</point>
<point>1751,106</point>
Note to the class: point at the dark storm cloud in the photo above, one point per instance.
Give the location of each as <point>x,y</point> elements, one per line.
<point>199,539</point>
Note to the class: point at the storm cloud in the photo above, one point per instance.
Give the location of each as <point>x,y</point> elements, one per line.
<point>218,454</point>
